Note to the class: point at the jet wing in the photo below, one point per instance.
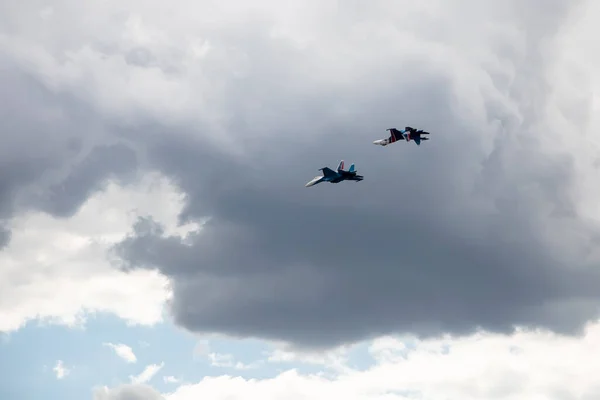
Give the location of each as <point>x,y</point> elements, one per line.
<point>328,172</point>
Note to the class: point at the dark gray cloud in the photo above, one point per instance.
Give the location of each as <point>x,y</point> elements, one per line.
<point>102,163</point>
<point>394,252</point>
<point>448,237</point>
<point>55,152</point>
<point>5,236</point>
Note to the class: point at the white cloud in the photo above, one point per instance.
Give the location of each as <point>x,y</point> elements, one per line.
<point>57,269</point>
<point>60,370</point>
<point>335,360</point>
<point>127,392</point>
<point>171,379</point>
<point>202,350</point>
<point>526,365</point>
<point>147,374</point>
<point>228,361</point>
<point>123,351</point>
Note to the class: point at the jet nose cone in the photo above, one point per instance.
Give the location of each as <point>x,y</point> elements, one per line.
<point>313,181</point>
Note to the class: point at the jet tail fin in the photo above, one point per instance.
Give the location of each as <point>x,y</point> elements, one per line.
<point>340,165</point>
<point>352,168</point>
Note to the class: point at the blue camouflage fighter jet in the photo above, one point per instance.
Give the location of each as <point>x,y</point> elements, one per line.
<point>332,176</point>
<point>407,134</point>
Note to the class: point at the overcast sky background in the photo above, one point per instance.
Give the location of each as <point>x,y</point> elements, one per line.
<point>158,241</point>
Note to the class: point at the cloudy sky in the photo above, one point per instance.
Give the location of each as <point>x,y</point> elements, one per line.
<point>157,240</point>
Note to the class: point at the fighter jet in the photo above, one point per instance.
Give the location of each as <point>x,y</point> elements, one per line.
<point>332,176</point>
<point>407,134</point>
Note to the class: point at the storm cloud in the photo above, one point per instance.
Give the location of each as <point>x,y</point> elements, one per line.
<point>477,228</point>
<point>480,227</point>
